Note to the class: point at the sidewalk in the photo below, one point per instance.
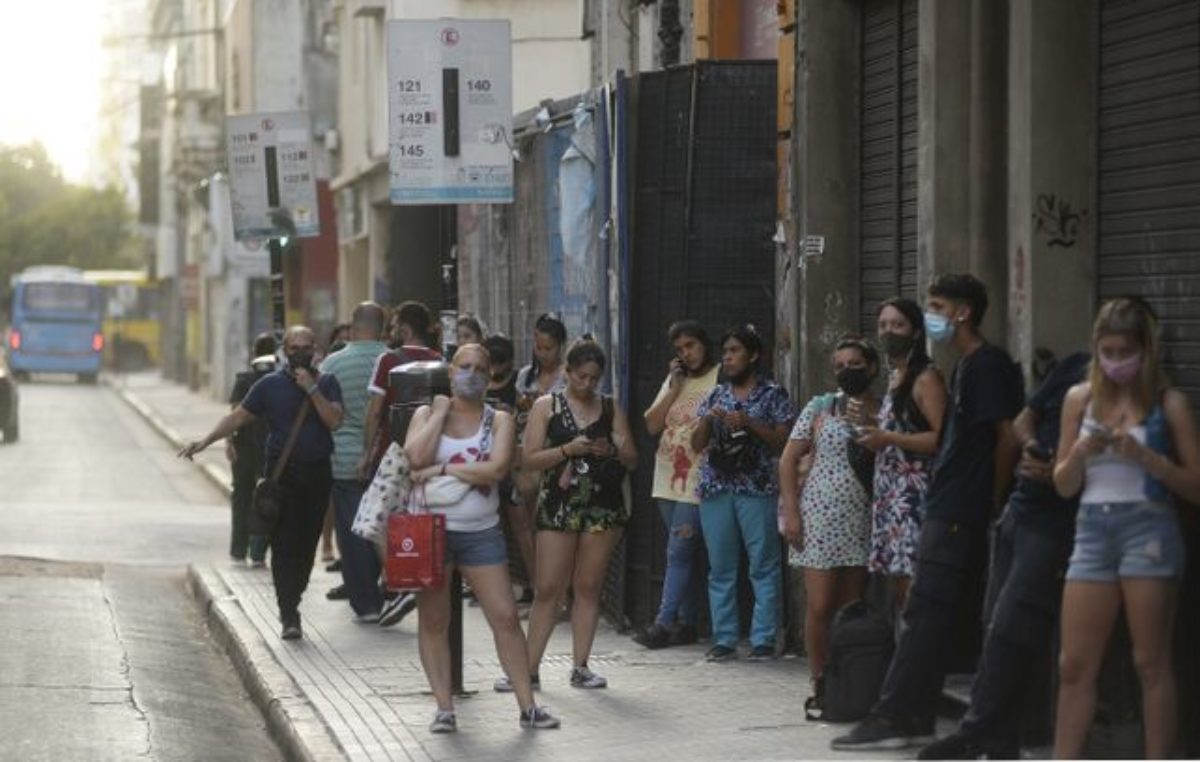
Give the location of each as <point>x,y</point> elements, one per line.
<point>351,691</point>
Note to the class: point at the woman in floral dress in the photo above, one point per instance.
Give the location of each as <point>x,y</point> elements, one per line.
<point>827,519</point>
<point>905,440</point>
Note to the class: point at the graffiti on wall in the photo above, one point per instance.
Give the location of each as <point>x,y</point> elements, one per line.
<point>1056,220</point>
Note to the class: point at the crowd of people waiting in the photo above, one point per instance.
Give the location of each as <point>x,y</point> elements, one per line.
<point>896,472</point>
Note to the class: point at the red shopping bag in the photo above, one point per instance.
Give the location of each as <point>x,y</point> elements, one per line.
<point>416,551</point>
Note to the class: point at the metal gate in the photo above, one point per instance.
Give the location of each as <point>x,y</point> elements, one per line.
<point>887,155</point>
<point>704,196</point>
<point>1149,169</point>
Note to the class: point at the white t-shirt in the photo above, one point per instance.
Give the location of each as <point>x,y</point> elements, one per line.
<point>480,508</point>
<point>676,464</point>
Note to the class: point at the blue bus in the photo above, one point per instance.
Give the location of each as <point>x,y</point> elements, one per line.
<point>55,323</point>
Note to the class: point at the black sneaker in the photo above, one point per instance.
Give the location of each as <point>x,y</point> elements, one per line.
<point>653,637</point>
<point>292,632</point>
<point>684,635</point>
<point>537,718</point>
<point>396,608</point>
<point>958,745</point>
<point>334,566</point>
<point>761,653</point>
<point>720,653</point>
<point>874,733</point>
<point>339,593</point>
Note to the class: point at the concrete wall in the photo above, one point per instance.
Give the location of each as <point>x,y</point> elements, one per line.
<point>825,186</point>
<point>962,184</point>
<point>1052,149</point>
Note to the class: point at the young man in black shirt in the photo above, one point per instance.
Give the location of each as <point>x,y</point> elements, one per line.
<point>1032,545</point>
<point>971,475</point>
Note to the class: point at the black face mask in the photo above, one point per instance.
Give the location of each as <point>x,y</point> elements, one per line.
<point>897,345</point>
<point>301,359</point>
<point>853,381</point>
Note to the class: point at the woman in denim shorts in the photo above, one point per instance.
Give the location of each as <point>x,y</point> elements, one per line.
<point>462,437</point>
<point>1128,443</point>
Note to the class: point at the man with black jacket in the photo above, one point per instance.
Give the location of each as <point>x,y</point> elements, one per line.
<point>246,451</point>
<point>1032,545</point>
<point>304,485</point>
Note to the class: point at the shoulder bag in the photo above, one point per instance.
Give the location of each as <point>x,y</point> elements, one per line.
<point>267,491</point>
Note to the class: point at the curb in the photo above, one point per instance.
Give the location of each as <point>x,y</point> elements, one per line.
<point>214,475</point>
<point>294,724</point>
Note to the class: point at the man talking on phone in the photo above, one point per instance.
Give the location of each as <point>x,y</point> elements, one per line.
<point>1030,548</point>
<point>305,483</point>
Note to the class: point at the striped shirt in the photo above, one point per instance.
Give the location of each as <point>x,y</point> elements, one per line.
<point>352,367</point>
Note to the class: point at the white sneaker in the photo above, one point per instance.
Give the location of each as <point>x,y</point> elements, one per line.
<point>582,677</point>
<point>443,722</point>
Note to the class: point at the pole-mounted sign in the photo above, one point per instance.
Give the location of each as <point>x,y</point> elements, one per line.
<point>273,186</point>
<point>450,111</point>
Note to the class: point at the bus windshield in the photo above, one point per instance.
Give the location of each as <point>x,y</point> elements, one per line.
<point>59,297</point>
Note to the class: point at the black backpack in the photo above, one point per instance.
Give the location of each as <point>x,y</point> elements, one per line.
<point>860,652</point>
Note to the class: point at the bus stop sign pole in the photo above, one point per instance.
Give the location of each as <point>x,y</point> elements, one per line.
<point>275,246</point>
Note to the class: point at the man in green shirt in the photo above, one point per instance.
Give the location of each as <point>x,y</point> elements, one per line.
<point>352,366</point>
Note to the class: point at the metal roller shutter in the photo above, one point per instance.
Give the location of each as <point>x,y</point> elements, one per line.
<point>888,155</point>
<point>1149,168</point>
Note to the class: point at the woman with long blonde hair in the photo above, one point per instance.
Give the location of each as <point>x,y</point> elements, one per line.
<point>1128,443</point>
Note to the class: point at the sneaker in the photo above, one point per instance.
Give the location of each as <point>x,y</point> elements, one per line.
<point>582,677</point>
<point>526,598</point>
<point>684,635</point>
<point>537,718</point>
<point>720,653</point>
<point>814,705</point>
<point>958,745</point>
<point>258,563</point>
<point>292,632</point>
<point>339,593</point>
<point>874,733</point>
<point>396,608</point>
<point>653,637</point>
<point>761,653</point>
<point>443,722</point>
<point>237,561</point>
<point>335,566</point>
<point>504,685</point>
<point>369,618</point>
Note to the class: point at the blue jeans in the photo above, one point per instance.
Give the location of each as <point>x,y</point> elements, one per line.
<point>360,563</point>
<point>683,583</point>
<point>731,522</point>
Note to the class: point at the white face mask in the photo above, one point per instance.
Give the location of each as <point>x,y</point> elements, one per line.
<point>468,384</point>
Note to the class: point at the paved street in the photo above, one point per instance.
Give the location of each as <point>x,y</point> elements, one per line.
<point>103,653</point>
<point>358,691</point>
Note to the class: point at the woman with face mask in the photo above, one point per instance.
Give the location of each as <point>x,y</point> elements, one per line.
<point>904,437</point>
<point>826,502</point>
<point>1129,443</point>
<point>460,436</point>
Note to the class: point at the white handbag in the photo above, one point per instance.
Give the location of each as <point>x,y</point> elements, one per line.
<point>387,493</point>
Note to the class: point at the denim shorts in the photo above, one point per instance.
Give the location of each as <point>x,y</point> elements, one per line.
<point>483,548</point>
<point>1118,540</point>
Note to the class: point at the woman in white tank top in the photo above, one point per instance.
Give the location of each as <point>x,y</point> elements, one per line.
<point>1128,443</point>
<point>462,437</point>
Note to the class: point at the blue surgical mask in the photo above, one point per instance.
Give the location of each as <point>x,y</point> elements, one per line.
<point>938,327</point>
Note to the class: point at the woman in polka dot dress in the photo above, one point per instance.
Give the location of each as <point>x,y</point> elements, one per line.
<point>826,501</point>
